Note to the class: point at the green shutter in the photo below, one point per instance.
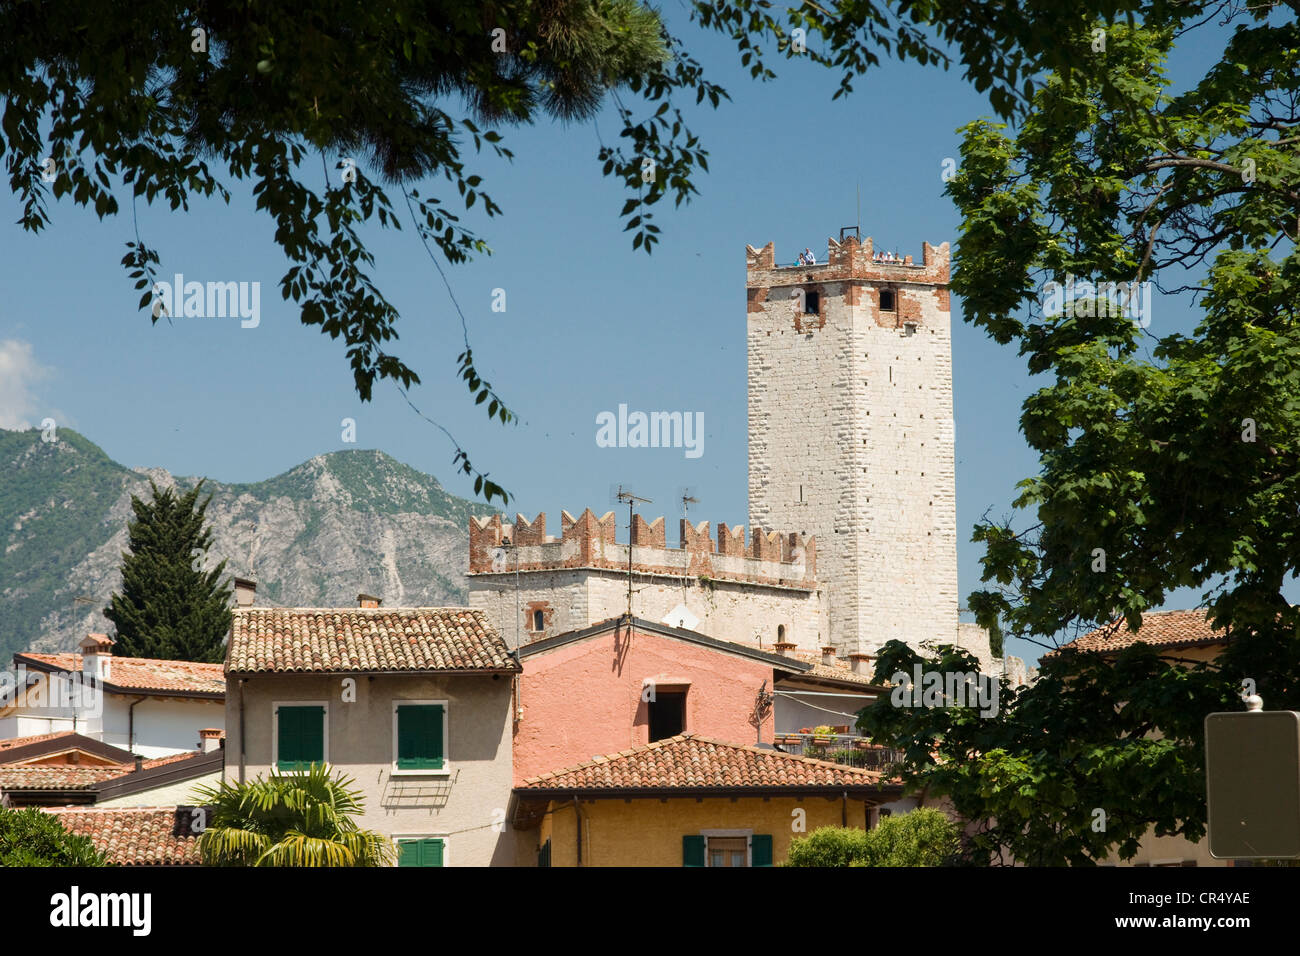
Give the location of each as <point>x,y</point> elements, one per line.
<point>760,847</point>
<point>410,853</point>
<point>419,737</point>
<point>420,852</point>
<point>432,853</point>
<point>692,851</point>
<point>300,734</point>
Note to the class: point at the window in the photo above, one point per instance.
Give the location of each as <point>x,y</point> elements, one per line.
<point>420,736</point>
<point>539,621</point>
<point>887,300</point>
<point>428,851</point>
<point>812,303</point>
<point>727,848</point>
<point>299,735</point>
<point>780,633</point>
<point>728,851</point>
<point>667,714</point>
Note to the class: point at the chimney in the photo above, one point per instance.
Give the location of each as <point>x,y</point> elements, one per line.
<point>785,648</point>
<point>245,592</point>
<point>828,656</point>
<point>96,653</point>
<point>861,664</point>
<point>139,763</point>
<point>210,739</point>
<point>368,601</point>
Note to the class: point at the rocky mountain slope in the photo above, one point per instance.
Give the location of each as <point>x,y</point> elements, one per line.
<point>339,524</point>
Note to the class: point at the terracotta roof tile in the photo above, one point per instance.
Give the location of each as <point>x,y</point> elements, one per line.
<point>334,640</point>
<point>691,762</point>
<point>171,758</point>
<point>146,673</point>
<point>134,836</point>
<point>34,738</point>
<point>63,777</point>
<point>57,778</point>
<point>1165,629</point>
<point>839,669</point>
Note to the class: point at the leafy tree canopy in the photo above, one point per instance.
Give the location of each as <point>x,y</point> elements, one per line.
<point>1167,459</point>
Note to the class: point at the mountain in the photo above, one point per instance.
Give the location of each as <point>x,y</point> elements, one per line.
<point>317,535</point>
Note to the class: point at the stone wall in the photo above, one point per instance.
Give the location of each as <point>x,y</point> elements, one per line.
<point>571,599</point>
<point>761,590</point>
<point>851,434</point>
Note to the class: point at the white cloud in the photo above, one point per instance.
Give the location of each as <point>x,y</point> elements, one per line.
<point>19,372</point>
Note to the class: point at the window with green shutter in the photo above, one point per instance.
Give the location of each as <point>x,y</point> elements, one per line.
<point>760,849</point>
<point>419,737</point>
<point>300,737</point>
<point>425,852</point>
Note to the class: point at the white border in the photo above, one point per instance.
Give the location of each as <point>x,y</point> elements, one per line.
<point>446,735</point>
<point>275,730</point>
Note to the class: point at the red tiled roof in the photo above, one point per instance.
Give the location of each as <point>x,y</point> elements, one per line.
<point>688,762</point>
<point>171,758</point>
<point>63,777</point>
<point>146,673</point>
<point>134,836</point>
<point>838,669</point>
<point>333,640</point>
<point>57,778</point>
<point>1165,629</point>
<point>34,738</point>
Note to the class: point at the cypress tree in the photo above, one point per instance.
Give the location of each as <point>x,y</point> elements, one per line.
<point>169,607</point>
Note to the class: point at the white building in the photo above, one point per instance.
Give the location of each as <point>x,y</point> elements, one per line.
<point>148,707</point>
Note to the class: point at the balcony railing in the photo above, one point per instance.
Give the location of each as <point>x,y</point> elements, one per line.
<point>847,749</point>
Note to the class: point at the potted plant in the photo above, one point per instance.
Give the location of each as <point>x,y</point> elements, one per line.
<point>823,736</point>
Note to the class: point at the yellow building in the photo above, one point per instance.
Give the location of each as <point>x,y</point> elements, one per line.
<point>690,801</point>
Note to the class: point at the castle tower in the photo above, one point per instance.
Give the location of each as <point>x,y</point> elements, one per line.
<point>851,433</point>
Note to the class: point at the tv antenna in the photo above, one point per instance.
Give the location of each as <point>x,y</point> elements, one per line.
<point>687,497</point>
<point>631,500</point>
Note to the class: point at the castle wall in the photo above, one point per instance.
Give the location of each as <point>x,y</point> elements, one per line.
<point>765,590</point>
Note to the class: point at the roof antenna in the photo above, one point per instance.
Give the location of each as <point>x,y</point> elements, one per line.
<point>626,496</point>
<point>687,496</point>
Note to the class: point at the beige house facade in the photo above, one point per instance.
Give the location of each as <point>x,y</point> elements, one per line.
<point>414,704</point>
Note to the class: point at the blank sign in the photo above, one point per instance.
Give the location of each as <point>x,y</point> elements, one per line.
<point>1252,784</point>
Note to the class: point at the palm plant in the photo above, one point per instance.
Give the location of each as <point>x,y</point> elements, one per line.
<point>291,819</point>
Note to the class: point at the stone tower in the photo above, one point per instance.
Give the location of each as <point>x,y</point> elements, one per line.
<point>851,433</point>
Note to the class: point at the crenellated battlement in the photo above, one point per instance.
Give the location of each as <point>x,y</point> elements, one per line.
<point>587,541</point>
<point>850,259</point>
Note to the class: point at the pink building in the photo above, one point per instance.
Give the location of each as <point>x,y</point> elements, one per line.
<point>611,687</point>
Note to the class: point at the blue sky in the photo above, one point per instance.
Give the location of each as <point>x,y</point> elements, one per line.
<point>589,323</point>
